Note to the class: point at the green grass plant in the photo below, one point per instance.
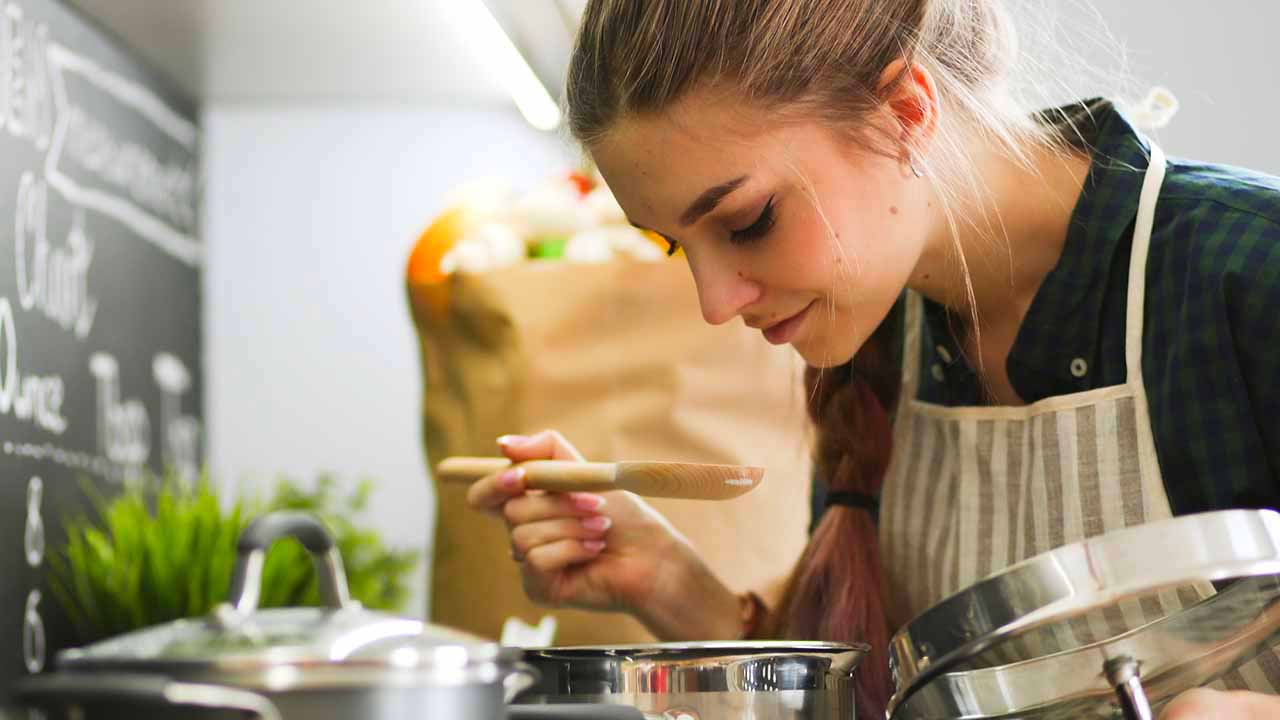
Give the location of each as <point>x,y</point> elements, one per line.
<point>164,549</point>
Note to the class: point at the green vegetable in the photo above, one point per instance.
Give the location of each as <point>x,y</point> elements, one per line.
<point>549,248</point>
<point>165,549</point>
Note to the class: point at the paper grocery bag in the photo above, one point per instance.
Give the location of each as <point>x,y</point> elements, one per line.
<point>617,357</point>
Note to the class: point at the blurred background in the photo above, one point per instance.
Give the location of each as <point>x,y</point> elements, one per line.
<point>333,132</point>
<point>322,147</point>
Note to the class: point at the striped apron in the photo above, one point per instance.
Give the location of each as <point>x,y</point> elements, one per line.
<point>972,490</point>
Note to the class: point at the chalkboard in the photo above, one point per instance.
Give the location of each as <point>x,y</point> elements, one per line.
<point>100,364</point>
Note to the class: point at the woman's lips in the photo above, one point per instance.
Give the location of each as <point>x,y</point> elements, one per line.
<point>782,332</point>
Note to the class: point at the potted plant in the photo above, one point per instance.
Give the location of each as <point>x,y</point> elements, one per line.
<point>165,548</point>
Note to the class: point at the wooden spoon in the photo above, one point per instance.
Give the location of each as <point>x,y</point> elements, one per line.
<point>652,479</point>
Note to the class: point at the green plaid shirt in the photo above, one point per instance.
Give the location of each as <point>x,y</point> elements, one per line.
<point>1211,344</point>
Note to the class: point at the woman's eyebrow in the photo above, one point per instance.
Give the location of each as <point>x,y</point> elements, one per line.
<point>708,200</point>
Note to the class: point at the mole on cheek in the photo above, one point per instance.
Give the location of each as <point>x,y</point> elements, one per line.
<point>740,274</point>
<point>893,209</point>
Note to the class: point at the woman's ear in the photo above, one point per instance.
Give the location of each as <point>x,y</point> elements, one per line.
<point>909,93</point>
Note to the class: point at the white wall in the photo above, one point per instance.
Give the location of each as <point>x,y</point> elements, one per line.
<point>1219,58</point>
<point>309,215</point>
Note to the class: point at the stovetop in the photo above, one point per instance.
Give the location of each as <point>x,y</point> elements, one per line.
<point>573,712</point>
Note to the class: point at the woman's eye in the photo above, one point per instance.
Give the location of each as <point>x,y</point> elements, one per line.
<point>757,229</point>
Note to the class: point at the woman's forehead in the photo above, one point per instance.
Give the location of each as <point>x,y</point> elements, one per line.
<point>657,164</point>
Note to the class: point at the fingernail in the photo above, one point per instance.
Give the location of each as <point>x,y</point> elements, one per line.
<point>586,501</point>
<point>510,478</point>
<point>507,440</point>
<point>597,522</point>
<point>593,546</point>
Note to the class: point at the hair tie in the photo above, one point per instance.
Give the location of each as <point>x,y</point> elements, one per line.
<point>854,500</point>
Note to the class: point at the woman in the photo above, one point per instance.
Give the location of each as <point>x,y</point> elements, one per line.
<point>1030,328</point>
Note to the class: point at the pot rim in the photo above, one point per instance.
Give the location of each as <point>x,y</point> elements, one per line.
<point>447,666</point>
<point>705,667</point>
<point>725,647</point>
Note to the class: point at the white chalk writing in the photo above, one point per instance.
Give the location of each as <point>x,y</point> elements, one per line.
<point>180,434</point>
<point>26,106</point>
<point>33,647</point>
<point>31,398</point>
<point>124,428</point>
<point>33,538</point>
<point>52,279</point>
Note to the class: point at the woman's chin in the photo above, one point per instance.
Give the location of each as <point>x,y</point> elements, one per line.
<point>822,354</point>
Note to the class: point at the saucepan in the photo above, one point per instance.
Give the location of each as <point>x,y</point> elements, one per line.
<point>1110,627</point>
<point>337,662</point>
<point>778,680</point>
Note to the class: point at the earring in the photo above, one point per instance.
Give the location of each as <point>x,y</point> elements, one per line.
<point>914,169</point>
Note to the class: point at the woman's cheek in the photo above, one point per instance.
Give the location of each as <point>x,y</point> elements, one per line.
<point>819,250</point>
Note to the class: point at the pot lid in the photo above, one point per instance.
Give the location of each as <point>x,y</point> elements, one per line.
<point>238,641</point>
<point>1056,635</point>
<point>295,635</point>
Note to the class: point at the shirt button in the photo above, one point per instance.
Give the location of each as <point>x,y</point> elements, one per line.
<point>937,373</point>
<point>1079,367</point>
<point>944,353</point>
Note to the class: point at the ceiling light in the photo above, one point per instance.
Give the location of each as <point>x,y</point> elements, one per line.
<point>529,94</point>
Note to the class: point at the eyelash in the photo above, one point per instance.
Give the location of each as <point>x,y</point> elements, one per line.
<point>746,235</point>
<point>757,229</point>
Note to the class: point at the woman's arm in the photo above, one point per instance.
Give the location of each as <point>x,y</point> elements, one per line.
<point>1206,704</point>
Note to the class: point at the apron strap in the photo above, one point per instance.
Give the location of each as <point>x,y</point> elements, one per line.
<point>1138,264</point>
<point>911,347</point>
<point>1148,457</point>
<point>1137,294</point>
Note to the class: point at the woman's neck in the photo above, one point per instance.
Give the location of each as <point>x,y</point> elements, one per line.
<point>1010,227</point>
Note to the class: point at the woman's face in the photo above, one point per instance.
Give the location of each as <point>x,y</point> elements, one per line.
<point>805,236</point>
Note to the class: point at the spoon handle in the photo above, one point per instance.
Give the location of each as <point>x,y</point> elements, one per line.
<point>555,475</point>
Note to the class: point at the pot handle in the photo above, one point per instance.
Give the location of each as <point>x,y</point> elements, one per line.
<point>523,676</point>
<point>257,538</point>
<point>62,689</point>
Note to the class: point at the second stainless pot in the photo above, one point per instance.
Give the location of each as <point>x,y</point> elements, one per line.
<point>704,681</point>
<point>339,662</point>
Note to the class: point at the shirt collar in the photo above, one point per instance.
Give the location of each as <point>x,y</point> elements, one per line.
<point>1064,320</point>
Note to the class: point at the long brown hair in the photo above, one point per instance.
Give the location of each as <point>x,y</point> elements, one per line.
<point>819,60</point>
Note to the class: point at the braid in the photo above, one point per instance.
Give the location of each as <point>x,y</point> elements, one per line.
<point>834,593</point>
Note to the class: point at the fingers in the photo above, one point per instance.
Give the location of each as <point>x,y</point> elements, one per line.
<point>547,444</point>
<point>1191,705</point>
<point>1205,704</point>
<point>489,494</point>
<point>533,507</point>
<point>555,556</point>
<point>525,538</point>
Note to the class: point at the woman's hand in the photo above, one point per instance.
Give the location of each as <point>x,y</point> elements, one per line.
<point>607,551</point>
<point>1206,704</point>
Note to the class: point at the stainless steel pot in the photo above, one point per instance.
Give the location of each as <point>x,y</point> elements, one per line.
<point>1007,647</point>
<point>703,681</point>
<point>339,662</point>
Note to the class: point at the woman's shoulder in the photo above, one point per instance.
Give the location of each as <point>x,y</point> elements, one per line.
<point>1218,224</point>
<point>1213,340</point>
<point>1223,191</point>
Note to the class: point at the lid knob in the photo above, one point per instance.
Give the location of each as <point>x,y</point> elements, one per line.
<point>1124,673</point>
<point>257,538</point>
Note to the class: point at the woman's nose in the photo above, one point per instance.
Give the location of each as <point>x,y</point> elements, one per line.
<point>723,291</point>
